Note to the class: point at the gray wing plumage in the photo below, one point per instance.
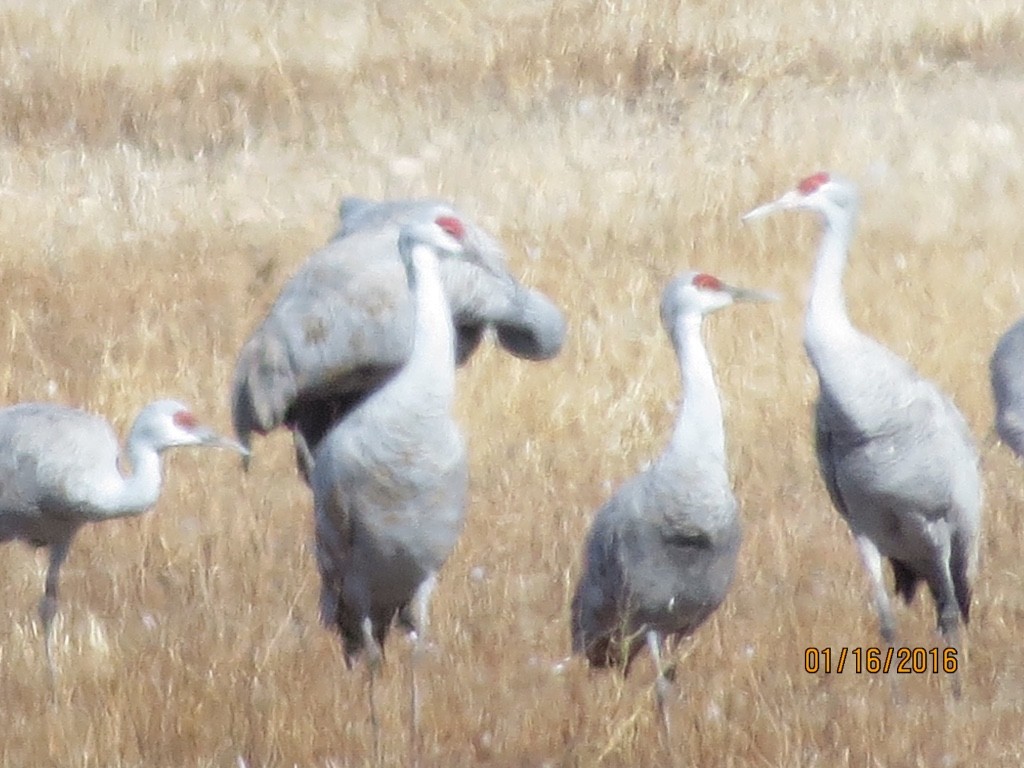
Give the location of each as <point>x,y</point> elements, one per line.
<point>527,323</point>
<point>48,455</point>
<point>340,327</point>
<point>343,324</point>
<point>360,213</point>
<point>660,555</point>
<point>390,503</point>
<point>1006,369</point>
<point>891,433</point>
<point>898,459</point>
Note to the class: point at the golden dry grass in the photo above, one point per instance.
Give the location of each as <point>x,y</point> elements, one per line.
<point>165,165</point>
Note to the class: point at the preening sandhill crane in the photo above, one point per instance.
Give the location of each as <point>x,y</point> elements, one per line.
<point>59,471</point>
<point>342,325</point>
<point>660,555</point>
<point>389,480</point>
<point>896,455</point>
<point>526,323</point>
<point>1007,372</point>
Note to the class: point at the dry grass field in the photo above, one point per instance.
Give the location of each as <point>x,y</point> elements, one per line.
<point>165,165</point>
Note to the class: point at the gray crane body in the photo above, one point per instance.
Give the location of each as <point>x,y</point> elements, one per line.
<point>390,481</point>
<point>59,469</point>
<point>49,485</point>
<point>343,324</point>
<point>373,564</point>
<point>661,554</point>
<point>896,455</point>
<point>1006,369</point>
<point>897,458</point>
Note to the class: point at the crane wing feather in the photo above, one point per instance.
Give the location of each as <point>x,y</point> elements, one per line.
<point>343,323</point>
<point>1006,370</point>
<point>50,455</point>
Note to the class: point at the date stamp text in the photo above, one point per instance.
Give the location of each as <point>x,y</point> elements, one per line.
<point>904,661</point>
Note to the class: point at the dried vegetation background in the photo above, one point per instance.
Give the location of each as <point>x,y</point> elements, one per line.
<point>165,165</point>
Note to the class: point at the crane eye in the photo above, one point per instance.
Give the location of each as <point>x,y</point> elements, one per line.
<point>707,282</point>
<point>185,420</point>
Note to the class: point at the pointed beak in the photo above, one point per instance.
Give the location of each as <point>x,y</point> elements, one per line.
<point>749,295</point>
<point>234,445</point>
<point>213,440</point>
<point>785,202</point>
<point>243,446</point>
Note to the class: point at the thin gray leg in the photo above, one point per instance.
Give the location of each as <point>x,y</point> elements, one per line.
<point>303,456</point>
<point>872,560</point>
<point>373,658</point>
<point>48,604</point>
<point>949,615</point>
<point>419,606</point>
<point>371,674</point>
<point>662,685</point>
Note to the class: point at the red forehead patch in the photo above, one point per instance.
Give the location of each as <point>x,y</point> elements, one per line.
<point>707,282</point>
<point>185,420</point>
<point>811,183</point>
<point>451,225</point>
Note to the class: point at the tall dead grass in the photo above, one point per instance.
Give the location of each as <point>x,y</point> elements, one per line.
<point>164,166</point>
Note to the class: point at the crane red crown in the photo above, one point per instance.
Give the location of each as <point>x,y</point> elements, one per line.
<point>185,420</point>
<point>812,183</point>
<point>452,226</point>
<point>707,282</point>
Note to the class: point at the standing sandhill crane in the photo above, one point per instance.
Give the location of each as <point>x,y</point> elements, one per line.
<point>1007,372</point>
<point>896,455</point>
<point>389,480</point>
<point>59,470</point>
<point>661,553</point>
<point>342,324</point>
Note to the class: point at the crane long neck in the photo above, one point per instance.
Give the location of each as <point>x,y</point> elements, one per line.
<point>699,424</point>
<point>429,373</point>
<point>827,324</point>
<point>136,491</point>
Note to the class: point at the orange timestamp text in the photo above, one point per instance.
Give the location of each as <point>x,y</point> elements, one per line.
<point>904,661</point>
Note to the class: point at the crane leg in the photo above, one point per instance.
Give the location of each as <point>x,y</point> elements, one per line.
<point>949,617</point>
<point>371,647</point>
<point>303,456</point>
<point>872,560</point>
<point>418,636</point>
<point>48,604</point>
<point>662,684</point>
<point>371,674</point>
<point>373,659</point>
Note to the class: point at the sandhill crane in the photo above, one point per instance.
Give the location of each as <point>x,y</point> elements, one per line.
<point>59,471</point>
<point>389,480</point>
<point>343,323</point>
<point>896,455</point>
<point>1007,372</point>
<point>661,553</point>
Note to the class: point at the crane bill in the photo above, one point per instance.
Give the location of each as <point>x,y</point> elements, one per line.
<point>234,445</point>
<point>246,451</point>
<point>761,211</point>
<point>751,295</point>
<point>787,201</point>
<point>219,441</point>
